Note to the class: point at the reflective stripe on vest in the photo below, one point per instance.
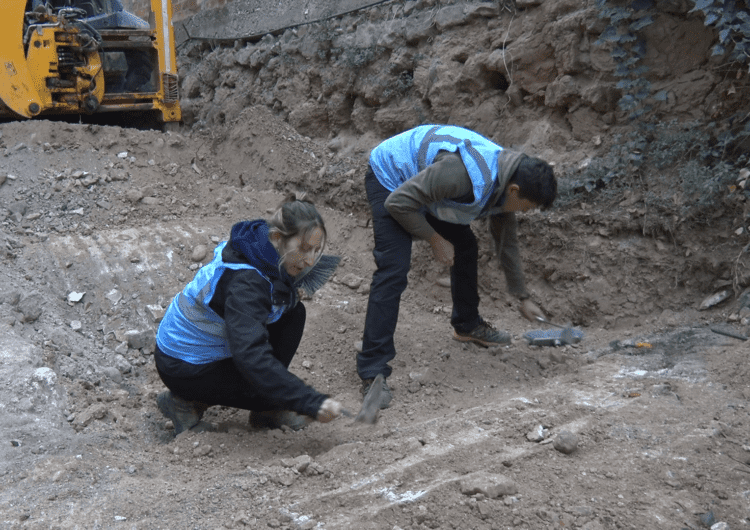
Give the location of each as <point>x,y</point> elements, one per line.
<point>191,330</point>
<point>395,161</point>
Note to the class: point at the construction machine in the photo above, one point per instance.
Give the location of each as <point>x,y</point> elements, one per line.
<point>86,57</point>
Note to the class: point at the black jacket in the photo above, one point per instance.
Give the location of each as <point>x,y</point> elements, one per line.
<point>243,300</point>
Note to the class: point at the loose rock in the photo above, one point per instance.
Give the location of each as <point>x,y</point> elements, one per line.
<point>566,442</point>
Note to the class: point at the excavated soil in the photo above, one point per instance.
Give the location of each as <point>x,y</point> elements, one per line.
<point>104,225</point>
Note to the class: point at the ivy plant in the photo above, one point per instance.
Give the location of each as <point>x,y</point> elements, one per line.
<point>628,49</point>
<point>732,20</point>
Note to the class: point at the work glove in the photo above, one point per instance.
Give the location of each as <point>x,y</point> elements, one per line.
<point>329,411</point>
<point>441,249</point>
<point>530,310</point>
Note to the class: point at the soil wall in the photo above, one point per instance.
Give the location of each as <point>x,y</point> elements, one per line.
<point>532,77</point>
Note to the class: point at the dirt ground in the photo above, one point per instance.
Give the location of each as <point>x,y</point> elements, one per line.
<point>643,424</point>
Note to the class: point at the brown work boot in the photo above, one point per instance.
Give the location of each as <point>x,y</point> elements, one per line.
<point>185,415</point>
<point>276,419</point>
<point>484,334</point>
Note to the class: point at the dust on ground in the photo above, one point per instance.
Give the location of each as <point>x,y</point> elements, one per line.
<point>102,226</point>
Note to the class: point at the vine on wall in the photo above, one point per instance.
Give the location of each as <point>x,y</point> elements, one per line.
<point>623,32</point>
<point>628,49</point>
<point>732,20</point>
<point>705,164</point>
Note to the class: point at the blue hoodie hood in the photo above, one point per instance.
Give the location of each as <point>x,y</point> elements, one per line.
<point>250,238</point>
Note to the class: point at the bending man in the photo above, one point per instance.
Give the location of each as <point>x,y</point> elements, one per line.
<point>430,183</point>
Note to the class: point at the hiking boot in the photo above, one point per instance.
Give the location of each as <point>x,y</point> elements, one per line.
<point>276,419</point>
<point>184,414</point>
<point>385,397</point>
<point>485,335</point>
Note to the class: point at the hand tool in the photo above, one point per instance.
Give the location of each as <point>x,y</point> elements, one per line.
<point>566,337</point>
<point>368,414</point>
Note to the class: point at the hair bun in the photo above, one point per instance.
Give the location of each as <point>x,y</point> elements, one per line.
<point>295,196</point>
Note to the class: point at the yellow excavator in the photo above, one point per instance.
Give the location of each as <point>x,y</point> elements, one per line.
<point>85,57</point>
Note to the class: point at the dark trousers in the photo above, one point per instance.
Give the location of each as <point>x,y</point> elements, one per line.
<point>392,254</point>
<point>220,382</point>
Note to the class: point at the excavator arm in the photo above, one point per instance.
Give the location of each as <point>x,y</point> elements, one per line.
<point>18,88</point>
<point>65,60</point>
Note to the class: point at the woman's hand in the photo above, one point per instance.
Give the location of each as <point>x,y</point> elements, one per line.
<point>530,310</point>
<point>329,411</point>
<point>441,249</point>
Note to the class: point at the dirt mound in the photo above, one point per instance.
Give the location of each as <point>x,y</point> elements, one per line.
<point>642,424</point>
<point>116,221</point>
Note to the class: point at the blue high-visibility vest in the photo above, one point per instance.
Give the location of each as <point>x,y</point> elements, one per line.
<point>401,157</point>
<point>191,330</point>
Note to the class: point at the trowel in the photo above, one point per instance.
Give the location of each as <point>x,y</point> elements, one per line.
<point>368,414</point>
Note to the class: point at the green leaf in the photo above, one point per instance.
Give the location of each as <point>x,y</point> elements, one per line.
<point>619,15</point>
<point>724,35</point>
<point>642,94</point>
<point>719,50</point>
<point>609,34</point>
<point>639,48</point>
<point>702,4</point>
<point>641,5</point>
<point>641,23</point>
<point>711,18</point>
<point>633,115</point>
<point>618,52</point>
<point>622,71</point>
<point>661,95</point>
<point>627,102</point>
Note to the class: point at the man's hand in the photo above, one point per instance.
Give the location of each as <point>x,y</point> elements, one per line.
<point>530,310</point>
<point>329,411</point>
<point>441,249</point>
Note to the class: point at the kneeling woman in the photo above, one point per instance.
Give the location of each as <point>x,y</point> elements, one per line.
<point>228,338</point>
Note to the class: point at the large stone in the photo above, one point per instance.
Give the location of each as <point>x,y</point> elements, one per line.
<point>585,124</point>
<point>191,86</point>
<point>362,116</point>
<point>602,97</point>
<point>339,107</point>
<point>199,253</point>
<point>403,116</point>
<point>420,27</point>
<point>31,306</point>
<point>138,339</point>
<point>533,63</point>
<point>566,442</point>
<point>488,484</point>
<point>663,58</point>
<point>684,91</point>
<point>562,93</point>
<point>309,118</point>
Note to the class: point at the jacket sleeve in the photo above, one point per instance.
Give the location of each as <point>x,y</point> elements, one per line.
<point>247,304</point>
<point>504,230</point>
<point>445,178</point>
